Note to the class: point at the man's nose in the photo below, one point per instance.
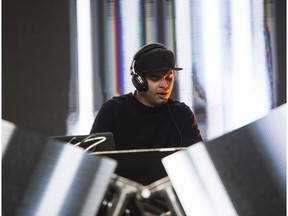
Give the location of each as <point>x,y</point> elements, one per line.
<point>164,82</point>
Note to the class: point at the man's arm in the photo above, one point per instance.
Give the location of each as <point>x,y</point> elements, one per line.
<point>190,130</point>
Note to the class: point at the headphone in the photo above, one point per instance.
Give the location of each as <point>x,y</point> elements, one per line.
<point>138,80</point>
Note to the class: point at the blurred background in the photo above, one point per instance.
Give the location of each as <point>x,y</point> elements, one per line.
<point>63,59</point>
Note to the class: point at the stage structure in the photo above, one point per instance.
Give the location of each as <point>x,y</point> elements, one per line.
<point>240,173</point>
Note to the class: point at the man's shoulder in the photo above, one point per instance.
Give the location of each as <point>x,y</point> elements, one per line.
<point>117,100</point>
<point>180,108</point>
<point>177,104</point>
<point>122,98</point>
<point>116,103</point>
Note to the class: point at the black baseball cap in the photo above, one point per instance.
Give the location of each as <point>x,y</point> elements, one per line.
<point>155,59</point>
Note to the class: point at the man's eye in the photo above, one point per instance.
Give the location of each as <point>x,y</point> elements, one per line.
<point>155,78</point>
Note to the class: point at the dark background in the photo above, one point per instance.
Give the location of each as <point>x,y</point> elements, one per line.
<point>36,63</point>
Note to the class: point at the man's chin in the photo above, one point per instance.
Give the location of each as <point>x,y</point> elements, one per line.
<point>162,101</point>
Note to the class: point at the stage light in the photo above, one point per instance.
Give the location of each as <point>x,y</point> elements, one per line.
<point>85,67</point>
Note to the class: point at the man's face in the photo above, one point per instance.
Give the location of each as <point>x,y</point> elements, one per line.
<point>160,85</point>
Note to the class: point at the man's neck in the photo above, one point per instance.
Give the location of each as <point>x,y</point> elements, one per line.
<point>142,99</point>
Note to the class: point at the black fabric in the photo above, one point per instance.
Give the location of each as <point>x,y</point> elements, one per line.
<point>157,59</point>
<point>137,126</point>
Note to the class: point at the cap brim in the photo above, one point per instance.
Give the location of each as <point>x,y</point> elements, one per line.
<point>160,69</point>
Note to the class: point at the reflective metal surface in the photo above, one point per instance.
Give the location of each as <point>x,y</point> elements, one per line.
<point>240,173</point>
<point>45,177</point>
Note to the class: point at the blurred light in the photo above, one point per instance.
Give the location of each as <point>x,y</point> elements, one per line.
<point>242,65</point>
<point>212,65</point>
<point>85,70</point>
<point>150,21</point>
<point>242,61</point>
<point>131,37</point>
<point>184,50</point>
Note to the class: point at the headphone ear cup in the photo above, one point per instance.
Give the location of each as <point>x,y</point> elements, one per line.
<point>139,82</point>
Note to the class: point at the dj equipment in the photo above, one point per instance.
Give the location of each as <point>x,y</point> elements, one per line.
<point>138,79</point>
<point>49,177</point>
<point>95,142</point>
<point>240,173</point>
<point>128,198</point>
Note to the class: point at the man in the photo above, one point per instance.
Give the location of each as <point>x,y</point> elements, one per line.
<point>149,118</point>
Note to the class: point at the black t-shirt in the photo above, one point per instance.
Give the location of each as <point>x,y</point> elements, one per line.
<point>136,126</point>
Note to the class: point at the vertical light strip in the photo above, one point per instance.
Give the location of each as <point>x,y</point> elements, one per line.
<point>260,70</point>
<point>244,108</point>
<point>184,51</point>
<point>147,26</point>
<point>213,71</point>
<point>110,49</point>
<point>85,70</point>
<point>169,28</point>
<point>227,74</point>
<point>271,50</point>
<point>131,37</point>
<point>117,41</point>
<point>60,182</point>
<point>151,21</point>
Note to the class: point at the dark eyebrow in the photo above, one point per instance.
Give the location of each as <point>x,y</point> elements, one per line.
<point>153,75</point>
<point>171,72</point>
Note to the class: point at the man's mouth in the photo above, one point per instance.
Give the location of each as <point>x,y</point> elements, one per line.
<point>163,94</point>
